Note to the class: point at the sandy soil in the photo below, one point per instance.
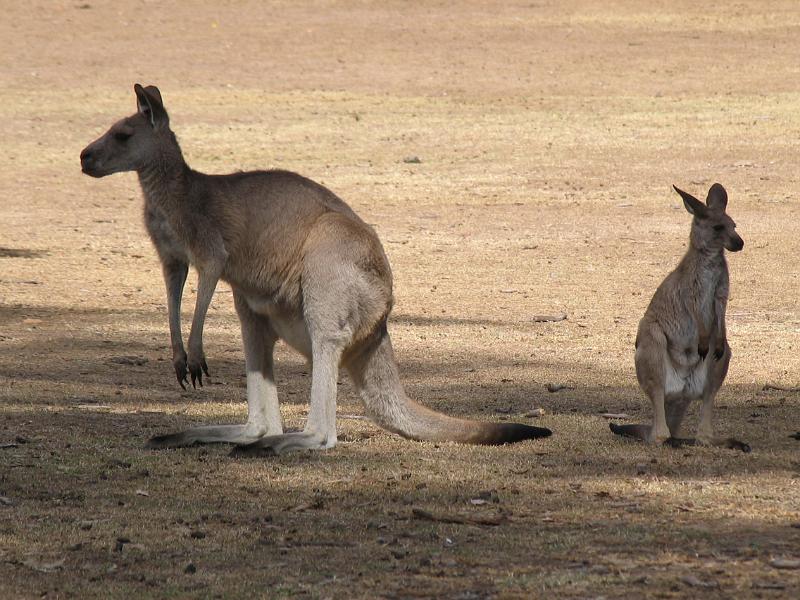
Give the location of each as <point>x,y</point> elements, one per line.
<point>548,134</point>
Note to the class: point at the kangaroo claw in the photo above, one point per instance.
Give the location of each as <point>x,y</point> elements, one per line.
<point>181,370</point>
<point>196,372</point>
<point>196,368</point>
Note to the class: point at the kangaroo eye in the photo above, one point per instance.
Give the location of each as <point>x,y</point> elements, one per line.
<point>719,227</point>
<point>122,136</point>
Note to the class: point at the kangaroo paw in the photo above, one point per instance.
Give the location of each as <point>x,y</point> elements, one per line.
<point>702,346</point>
<point>196,373</point>
<point>181,370</point>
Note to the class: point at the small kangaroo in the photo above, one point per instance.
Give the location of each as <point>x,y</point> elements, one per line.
<point>303,268</point>
<point>686,318</point>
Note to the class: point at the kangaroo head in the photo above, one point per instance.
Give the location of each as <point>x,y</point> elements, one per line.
<point>712,228</point>
<point>133,142</point>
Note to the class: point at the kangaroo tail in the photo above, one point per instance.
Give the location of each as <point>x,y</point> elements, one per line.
<point>374,371</point>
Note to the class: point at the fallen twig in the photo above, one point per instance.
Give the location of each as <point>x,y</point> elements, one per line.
<point>556,387</point>
<point>779,388</point>
<point>549,318</point>
<point>459,519</point>
<point>785,563</point>
<point>354,417</point>
<point>693,581</point>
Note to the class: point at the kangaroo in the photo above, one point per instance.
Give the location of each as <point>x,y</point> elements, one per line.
<point>686,318</point>
<point>303,268</point>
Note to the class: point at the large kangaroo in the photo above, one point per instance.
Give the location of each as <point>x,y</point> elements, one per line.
<point>303,267</point>
<point>686,318</point>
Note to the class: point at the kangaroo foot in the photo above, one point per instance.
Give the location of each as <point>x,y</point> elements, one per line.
<point>170,440</point>
<point>288,442</point>
<point>210,434</point>
<point>639,432</point>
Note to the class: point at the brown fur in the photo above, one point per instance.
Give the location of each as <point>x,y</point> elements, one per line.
<point>303,267</point>
<point>682,351</point>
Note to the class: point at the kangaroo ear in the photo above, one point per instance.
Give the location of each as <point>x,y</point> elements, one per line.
<point>692,204</point>
<point>717,197</point>
<point>149,103</point>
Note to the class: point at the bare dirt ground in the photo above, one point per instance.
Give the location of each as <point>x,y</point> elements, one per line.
<point>548,134</point>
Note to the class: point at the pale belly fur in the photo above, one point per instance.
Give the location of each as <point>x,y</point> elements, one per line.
<point>688,381</point>
<point>289,327</point>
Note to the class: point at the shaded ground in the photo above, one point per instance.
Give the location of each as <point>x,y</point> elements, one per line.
<point>548,134</point>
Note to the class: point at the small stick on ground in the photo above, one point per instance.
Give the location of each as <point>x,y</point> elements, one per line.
<point>779,388</point>
<point>420,513</point>
<point>548,318</point>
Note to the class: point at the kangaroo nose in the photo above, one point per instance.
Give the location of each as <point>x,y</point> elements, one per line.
<point>88,162</point>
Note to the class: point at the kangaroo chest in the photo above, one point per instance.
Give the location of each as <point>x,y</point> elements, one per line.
<point>163,235</point>
<point>706,295</point>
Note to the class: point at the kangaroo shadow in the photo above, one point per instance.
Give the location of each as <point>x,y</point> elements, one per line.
<point>131,374</point>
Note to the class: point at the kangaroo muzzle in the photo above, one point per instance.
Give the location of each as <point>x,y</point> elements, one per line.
<point>735,244</point>
<point>89,162</point>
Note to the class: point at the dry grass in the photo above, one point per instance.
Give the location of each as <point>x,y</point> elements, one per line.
<point>548,135</point>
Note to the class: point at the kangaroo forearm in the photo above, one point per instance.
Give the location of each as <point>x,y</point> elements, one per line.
<point>722,333</point>
<point>719,308</point>
<point>205,292</point>
<point>196,360</point>
<point>702,331</point>
<point>175,278</point>
<point>702,334</point>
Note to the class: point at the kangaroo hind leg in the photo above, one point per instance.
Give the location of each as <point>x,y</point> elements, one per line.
<point>335,293</point>
<point>651,352</point>
<point>320,429</point>
<point>263,412</point>
<point>675,410</point>
<point>717,370</point>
